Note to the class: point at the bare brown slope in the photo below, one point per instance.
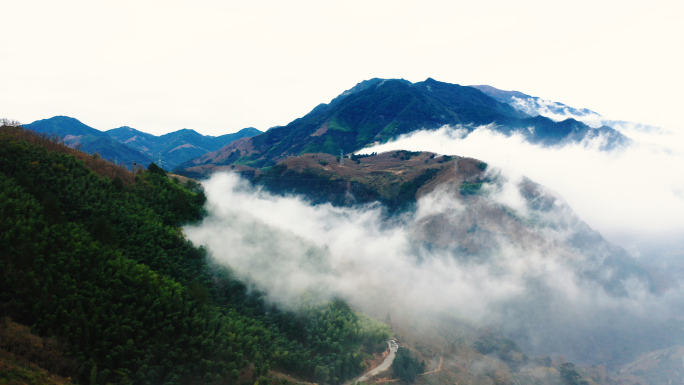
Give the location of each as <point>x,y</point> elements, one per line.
<point>26,358</point>
<point>226,155</point>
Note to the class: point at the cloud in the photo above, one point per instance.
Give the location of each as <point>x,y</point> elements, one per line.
<point>556,111</point>
<point>634,196</point>
<point>475,261</point>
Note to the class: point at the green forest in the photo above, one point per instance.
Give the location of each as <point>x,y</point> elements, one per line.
<point>406,367</point>
<point>94,260</point>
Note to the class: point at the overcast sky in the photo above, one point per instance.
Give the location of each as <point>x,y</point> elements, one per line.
<point>219,66</point>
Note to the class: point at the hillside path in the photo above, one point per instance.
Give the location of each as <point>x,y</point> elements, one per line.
<point>382,367</point>
<point>439,367</point>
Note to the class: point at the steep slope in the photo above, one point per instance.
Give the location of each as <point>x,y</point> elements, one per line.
<point>378,110</point>
<point>63,126</point>
<point>78,135</point>
<point>93,255</point>
<point>457,210</point>
<point>399,179</point>
<point>131,137</point>
<point>470,104</point>
<point>658,367</point>
<point>220,141</point>
<point>26,358</point>
<point>114,151</point>
<point>536,106</point>
<point>178,146</point>
<point>600,125</point>
<point>501,95</point>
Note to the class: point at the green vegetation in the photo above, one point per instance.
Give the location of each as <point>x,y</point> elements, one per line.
<point>320,186</point>
<point>356,158</point>
<point>570,376</point>
<point>375,113</point>
<point>470,188</point>
<point>317,185</point>
<point>334,125</point>
<point>406,367</point>
<point>94,256</point>
<point>491,343</point>
<point>408,190</point>
<point>405,155</point>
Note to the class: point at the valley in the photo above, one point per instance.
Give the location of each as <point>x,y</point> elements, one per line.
<point>295,254</point>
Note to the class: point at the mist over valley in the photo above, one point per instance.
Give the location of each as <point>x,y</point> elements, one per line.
<point>499,237</point>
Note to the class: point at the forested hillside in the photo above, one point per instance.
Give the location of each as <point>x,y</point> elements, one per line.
<point>93,257</point>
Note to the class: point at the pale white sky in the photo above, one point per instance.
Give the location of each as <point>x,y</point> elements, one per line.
<point>219,66</point>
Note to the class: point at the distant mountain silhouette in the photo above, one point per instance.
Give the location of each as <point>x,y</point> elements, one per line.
<point>178,146</point>
<point>78,135</point>
<point>63,126</point>
<point>535,106</point>
<point>126,145</point>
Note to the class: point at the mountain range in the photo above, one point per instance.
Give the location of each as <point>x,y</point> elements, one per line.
<point>470,225</point>
<point>536,106</point>
<point>377,110</point>
<point>128,146</point>
<point>373,111</point>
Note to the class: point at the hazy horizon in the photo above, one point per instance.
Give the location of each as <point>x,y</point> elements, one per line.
<point>217,68</point>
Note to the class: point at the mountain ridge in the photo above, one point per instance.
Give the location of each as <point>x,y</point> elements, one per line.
<point>129,146</point>
<point>378,110</point>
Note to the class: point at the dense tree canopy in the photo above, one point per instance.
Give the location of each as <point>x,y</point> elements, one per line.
<point>95,257</point>
<point>406,367</point>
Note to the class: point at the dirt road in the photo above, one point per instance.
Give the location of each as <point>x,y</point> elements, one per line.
<point>382,367</point>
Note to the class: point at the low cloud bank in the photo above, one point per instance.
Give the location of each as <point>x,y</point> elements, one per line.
<point>531,282</point>
<point>633,195</point>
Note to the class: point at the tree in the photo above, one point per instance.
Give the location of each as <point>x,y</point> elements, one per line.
<point>153,168</point>
<point>406,367</point>
<point>569,375</point>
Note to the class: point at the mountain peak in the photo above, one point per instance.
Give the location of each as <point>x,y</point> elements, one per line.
<point>61,119</point>
<point>377,110</point>
<point>62,126</point>
<point>500,95</point>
